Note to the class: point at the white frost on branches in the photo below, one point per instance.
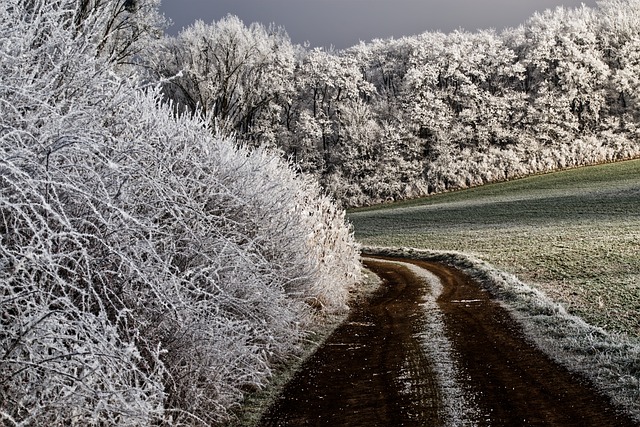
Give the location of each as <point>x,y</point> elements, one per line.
<point>149,272</point>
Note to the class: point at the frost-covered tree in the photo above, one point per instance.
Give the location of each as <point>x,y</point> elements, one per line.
<point>465,86</point>
<point>237,75</point>
<point>327,85</point>
<point>619,33</point>
<point>566,73</point>
<point>119,29</point>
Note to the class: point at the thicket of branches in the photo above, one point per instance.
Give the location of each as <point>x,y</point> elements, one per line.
<point>401,118</point>
<point>149,271</point>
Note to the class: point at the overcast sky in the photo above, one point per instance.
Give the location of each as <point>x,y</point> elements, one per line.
<point>343,23</point>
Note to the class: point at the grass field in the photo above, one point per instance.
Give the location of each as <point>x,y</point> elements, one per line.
<point>574,235</point>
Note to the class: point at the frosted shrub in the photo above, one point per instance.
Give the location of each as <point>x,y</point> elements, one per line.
<point>149,272</point>
<point>63,364</point>
<point>331,249</point>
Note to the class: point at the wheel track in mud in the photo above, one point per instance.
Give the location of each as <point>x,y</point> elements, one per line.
<point>371,371</point>
<point>374,371</point>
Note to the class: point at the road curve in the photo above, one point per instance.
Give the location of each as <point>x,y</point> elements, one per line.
<point>374,370</point>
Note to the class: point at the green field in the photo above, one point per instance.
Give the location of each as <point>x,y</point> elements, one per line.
<point>573,234</point>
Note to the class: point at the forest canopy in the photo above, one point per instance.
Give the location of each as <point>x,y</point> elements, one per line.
<point>399,118</point>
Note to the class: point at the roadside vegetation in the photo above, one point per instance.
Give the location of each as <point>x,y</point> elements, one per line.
<point>151,271</point>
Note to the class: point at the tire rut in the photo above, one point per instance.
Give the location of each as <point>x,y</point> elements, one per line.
<point>514,382</point>
<point>372,371</point>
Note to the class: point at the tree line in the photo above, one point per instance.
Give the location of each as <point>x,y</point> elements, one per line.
<point>407,117</point>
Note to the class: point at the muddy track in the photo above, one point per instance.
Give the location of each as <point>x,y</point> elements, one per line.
<point>375,371</point>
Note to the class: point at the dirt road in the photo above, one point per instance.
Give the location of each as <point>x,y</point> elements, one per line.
<point>380,369</point>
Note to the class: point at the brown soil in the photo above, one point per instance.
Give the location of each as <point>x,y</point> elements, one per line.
<point>372,371</point>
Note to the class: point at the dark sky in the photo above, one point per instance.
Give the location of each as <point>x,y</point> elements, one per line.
<point>343,23</point>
